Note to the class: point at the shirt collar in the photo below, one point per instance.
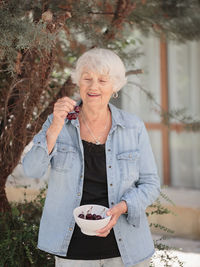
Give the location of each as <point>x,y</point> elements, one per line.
<point>116,116</point>
<point>115,112</point>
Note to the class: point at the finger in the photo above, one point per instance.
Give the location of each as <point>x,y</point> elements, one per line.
<point>108,226</point>
<point>66,100</point>
<point>64,105</point>
<point>104,234</point>
<point>61,114</point>
<point>69,99</point>
<point>109,212</point>
<point>66,109</point>
<point>60,109</point>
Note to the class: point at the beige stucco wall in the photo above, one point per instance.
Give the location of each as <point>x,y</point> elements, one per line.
<point>18,194</point>
<point>186,222</point>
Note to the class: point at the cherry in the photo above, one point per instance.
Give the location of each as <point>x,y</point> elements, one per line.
<point>94,216</point>
<point>77,109</point>
<point>98,217</point>
<point>73,115</point>
<point>89,216</point>
<point>81,216</point>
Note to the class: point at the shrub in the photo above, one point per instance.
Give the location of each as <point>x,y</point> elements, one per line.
<point>19,234</point>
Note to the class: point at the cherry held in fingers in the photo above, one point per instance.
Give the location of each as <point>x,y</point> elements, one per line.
<point>73,115</point>
<point>77,109</point>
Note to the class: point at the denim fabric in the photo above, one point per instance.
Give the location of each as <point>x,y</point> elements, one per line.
<point>131,176</point>
<point>112,262</point>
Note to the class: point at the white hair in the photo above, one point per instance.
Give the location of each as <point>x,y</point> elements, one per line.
<point>102,61</point>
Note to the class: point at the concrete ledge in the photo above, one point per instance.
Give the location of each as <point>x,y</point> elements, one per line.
<point>185,224</point>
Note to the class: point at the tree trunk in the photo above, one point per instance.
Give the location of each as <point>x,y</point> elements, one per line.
<point>4,204</point>
<point>15,136</point>
<point>22,98</point>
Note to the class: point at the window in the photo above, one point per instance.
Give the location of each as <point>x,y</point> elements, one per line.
<point>172,75</point>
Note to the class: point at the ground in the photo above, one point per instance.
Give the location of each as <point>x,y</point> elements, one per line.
<point>188,251</point>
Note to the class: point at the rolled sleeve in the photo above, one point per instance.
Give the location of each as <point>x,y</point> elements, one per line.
<point>40,142</point>
<point>36,161</point>
<point>146,190</point>
<point>133,213</point>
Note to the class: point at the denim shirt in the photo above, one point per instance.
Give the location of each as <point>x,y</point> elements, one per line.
<point>131,176</point>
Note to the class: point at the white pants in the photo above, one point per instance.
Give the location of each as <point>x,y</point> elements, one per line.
<point>112,262</point>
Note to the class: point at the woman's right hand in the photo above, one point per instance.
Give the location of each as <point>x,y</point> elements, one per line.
<point>61,109</point>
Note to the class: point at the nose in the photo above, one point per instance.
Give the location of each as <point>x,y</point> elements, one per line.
<point>93,84</point>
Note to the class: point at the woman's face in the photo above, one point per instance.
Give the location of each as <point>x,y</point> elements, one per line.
<point>95,88</point>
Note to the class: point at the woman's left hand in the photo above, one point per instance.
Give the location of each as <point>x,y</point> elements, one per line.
<point>115,212</point>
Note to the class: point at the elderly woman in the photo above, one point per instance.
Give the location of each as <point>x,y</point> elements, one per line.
<point>103,156</point>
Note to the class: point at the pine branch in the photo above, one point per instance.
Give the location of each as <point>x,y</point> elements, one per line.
<point>134,72</point>
<point>123,9</point>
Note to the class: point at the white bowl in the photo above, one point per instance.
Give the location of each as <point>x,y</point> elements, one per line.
<point>89,227</point>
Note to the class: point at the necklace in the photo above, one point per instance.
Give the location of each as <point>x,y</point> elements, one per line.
<point>96,139</point>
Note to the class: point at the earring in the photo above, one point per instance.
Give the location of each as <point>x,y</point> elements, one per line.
<point>115,95</point>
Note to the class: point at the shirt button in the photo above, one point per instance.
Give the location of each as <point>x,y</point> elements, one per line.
<point>109,149</point>
<point>111,184</point>
<point>70,229</point>
<point>120,239</point>
<point>81,176</point>
<point>38,142</point>
<point>110,166</point>
<point>112,203</point>
<point>78,194</point>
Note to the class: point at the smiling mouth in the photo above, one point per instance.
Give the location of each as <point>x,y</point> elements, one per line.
<point>93,95</point>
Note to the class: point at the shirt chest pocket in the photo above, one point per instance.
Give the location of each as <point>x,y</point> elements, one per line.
<point>129,165</point>
<point>64,159</point>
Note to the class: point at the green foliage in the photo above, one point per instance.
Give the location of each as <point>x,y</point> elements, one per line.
<point>164,253</point>
<point>19,232</point>
<point>158,209</point>
<point>177,19</point>
<point>18,236</point>
<point>19,32</point>
<point>91,22</point>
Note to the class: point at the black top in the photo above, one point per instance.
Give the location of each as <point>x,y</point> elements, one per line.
<point>84,247</point>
